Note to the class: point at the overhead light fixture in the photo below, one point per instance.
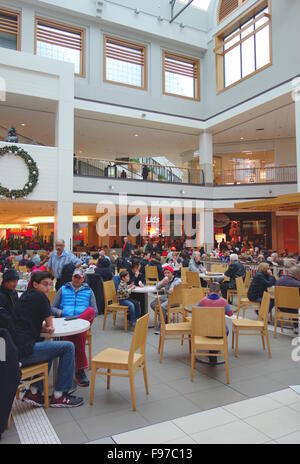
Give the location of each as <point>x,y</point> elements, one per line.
<point>242,138</point>
<point>136,135</point>
<point>111,187</point>
<point>182,192</point>
<point>137,11</point>
<point>23,124</point>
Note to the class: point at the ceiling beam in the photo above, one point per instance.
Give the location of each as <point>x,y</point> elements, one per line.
<point>173,3</point>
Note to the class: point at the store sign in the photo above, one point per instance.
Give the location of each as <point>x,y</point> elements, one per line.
<point>152,220</point>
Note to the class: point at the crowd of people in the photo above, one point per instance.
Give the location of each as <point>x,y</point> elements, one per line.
<point>28,316</point>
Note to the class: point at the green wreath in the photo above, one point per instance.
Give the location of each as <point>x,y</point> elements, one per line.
<point>33,173</point>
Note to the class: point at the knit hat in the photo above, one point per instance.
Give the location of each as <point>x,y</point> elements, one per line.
<point>9,275</point>
<point>169,268</point>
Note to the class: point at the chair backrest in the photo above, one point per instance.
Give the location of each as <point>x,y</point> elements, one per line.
<point>175,298</point>
<point>264,308</point>
<point>51,296</point>
<point>151,274</point>
<point>247,279</point>
<point>122,269</point>
<point>218,268</point>
<point>208,322</point>
<point>193,279</point>
<point>191,296</point>
<point>22,269</point>
<point>110,294</point>
<point>240,287</point>
<point>139,337</point>
<point>184,270</point>
<point>161,315</point>
<point>287,297</point>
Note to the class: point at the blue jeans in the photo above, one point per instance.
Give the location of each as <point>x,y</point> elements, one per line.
<point>47,352</point>
<point>134,308</point>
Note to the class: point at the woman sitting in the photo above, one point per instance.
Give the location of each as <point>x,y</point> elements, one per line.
<point>260,284</point>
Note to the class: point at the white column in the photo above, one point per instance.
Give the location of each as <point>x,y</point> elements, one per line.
<point>207,228</point>
<point>205,155</point>
<point>27,29</point>
<point>65,142</point>
<point>297,122</point>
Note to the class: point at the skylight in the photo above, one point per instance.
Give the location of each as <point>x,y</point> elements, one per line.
<point>202,4</point>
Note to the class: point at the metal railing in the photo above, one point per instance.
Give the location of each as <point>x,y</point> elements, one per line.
<point>269,175</point>
<point>132,170</point>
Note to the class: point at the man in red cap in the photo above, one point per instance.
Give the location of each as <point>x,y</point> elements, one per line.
<point>168,283</point>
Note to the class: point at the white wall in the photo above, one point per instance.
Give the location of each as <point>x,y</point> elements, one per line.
<point>285,151</point>
<point>14,172</point>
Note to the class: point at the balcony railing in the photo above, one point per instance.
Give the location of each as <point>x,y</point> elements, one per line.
<point>132,170</point>
<point>269,175</point>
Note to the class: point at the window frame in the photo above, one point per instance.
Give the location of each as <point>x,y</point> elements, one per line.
<point>9,12</point>
<point>68,28</point>
<point>187,59</point>
<point>232,27</point>
<point>129,44</point>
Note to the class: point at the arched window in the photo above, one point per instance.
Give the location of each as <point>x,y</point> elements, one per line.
<point>226,7</point>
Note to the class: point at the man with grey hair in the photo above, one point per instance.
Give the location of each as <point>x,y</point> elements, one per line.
<point>290,280</point>
<point>235,269</point>
<point>59,259</point>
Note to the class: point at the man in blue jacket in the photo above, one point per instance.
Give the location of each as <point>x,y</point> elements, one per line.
<point>77,299</point>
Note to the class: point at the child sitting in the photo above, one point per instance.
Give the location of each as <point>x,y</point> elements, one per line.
<point>123,294</point>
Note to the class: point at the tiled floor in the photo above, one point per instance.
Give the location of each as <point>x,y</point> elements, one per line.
<point>173,396</point>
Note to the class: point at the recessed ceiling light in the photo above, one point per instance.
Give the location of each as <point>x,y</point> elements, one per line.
<point>23,125</point>
<point>242,138</point>
<point>136,135</point>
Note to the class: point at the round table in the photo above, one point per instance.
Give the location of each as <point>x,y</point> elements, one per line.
<point>189,309</point>
<point>65,328</point>
<point>145,291</point>
<point>219,277</point>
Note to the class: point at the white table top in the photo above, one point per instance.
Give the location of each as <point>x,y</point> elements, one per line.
<point>66,328</point>
<point>146,289</point>
<point>202,275</point>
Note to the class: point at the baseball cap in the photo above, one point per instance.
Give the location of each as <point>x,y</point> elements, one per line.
<point>78,272</point>
<point>169,268</point>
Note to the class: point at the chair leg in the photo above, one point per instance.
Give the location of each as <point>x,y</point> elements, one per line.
<point>192,366</point>
<point>114,318</point>
<point>182,340</point>
<point>104,319</point>
<point>237,343</point>
<point>239,309</point>
<point>190,344</point>
<point>275,324</point>
<point>93,378</point>
<point>155,316</point>
<point>46,388</point>
<point>159,344</point>
<point>263,342</point>
<point>132,389</point>
<point>146,378</point>
<point>125,321</point>
<point>227,364</point>
<point>232,338</point>
<point>90,350</point>
<point>162,343</point>
<point>268,343</point>
<point>108,377</point>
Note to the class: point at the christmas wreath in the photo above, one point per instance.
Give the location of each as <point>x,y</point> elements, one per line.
<point>33,173</point>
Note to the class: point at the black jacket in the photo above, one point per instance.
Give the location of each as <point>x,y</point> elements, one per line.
<point>260,284</point>
<point>235,270</point>
<point>9,300</point>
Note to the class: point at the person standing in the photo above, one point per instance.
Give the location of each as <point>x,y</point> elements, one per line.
<point>127,248</point>
<point>145,172</point>
<point>59,259</point>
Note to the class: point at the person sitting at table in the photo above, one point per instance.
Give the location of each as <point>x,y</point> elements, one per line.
<point>214,300</point>
<point>138,279</point>
<point>124,294</point>
<point>262,280</point>
<point>235,269</point>
<point>77,299</point>
<point>195,265</point>
<point>290,280</point>
<point>104,269</point>
<point>168,283</point>
<point>35,318</point>
<point>8,294</point>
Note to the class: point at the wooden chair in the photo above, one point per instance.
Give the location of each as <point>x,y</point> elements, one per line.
<point>33,374</point>
<point>151,275</point>
<point>286,298</point>
<point>191,296</point>
<point>259,327</point>
<point>175,306</point>
<point>243,302</point>
<point>193,279</point>
<point>183,271</point>
<point>171,331</point>
<point>247,280</point>
<point>112,305</point>
<point>209,334</point>
<point>120,360</point>
<point>51,296</point>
